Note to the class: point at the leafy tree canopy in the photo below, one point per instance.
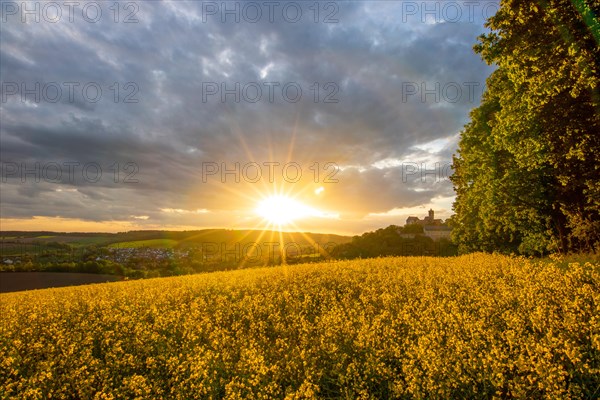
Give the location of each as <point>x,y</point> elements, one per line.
<point>527,174</point>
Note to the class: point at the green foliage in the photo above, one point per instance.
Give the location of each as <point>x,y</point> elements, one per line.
<point>527,172</point>
<point>412,228</point>
<point>388,242</point>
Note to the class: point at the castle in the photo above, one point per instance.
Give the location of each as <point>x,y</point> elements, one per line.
<point>433,228</point>
<point>429,220</point>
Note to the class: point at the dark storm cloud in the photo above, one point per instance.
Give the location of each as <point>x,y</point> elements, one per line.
<point>162,63</point>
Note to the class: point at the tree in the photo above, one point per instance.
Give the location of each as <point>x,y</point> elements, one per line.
<point>527,172</point>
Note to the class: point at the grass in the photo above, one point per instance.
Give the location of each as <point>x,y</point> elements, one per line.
<point>151,243</point>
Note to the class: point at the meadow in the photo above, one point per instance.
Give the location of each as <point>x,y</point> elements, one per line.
<point>474,326</point>
<point>150,243</point>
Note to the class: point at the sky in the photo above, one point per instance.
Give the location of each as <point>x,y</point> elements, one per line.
<point>175,115</point>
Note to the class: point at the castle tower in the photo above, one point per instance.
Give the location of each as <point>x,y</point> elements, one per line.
<point>431,215</point>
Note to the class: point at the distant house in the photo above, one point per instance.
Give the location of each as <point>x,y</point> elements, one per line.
<point>412,220</point>
<point>437,232</point>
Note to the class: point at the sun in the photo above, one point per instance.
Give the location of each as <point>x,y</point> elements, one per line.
<point>282,210</point>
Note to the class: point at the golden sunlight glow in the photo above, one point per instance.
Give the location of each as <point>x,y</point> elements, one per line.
<point>281,210</point>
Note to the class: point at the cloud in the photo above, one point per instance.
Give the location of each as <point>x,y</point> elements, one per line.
<point>153,127</point>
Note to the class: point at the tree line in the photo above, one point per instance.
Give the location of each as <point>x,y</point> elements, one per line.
<point>527,171</point>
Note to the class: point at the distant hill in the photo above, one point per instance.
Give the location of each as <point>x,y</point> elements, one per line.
<point>168,239</point>
<point>142,254</point>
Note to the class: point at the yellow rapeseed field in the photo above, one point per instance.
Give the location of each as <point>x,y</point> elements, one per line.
<point>476,326</point>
